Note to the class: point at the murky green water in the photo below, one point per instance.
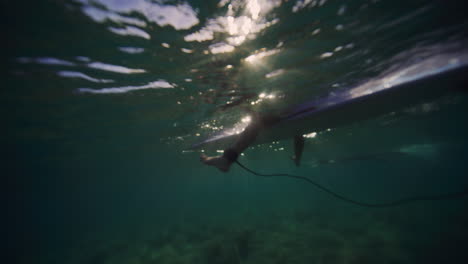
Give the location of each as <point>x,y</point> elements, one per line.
<point>101,100</point>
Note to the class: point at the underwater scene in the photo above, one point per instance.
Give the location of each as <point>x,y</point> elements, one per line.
<point>235,131</point>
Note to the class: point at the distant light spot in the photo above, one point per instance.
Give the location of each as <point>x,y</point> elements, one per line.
<point>310,135</point>
<point>342,10</point>
<point>246,119</point>
<point>349,46</point>
<point>131,50</point>
<point>186,50</point>
<point>259,55</point>
<point>113,68</point>
<point>165,45</point>
<point>326,55</point>
<point>274,73</point>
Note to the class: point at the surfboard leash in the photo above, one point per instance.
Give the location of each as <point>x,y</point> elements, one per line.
<point>446,196</point>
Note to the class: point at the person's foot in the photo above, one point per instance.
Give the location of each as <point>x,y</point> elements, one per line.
<point>219,162</point>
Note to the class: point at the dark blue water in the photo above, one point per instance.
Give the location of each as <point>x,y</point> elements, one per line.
<point>101,100</point>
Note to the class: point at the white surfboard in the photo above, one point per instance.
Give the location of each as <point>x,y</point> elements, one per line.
<point>419,83</point>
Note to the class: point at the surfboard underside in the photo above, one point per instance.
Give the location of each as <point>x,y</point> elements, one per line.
<point>356,109</point>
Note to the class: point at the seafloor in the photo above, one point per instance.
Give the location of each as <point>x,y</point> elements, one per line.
<point>355,235</point>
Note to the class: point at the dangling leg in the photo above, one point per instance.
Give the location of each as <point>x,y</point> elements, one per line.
<point>298,149</point>
<point>223,162</point>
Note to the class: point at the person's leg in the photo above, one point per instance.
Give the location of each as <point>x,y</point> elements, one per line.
<point>223,162</point>
<point>298,149</point>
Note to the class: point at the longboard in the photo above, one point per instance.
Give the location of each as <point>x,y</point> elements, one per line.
<point>374,98</point>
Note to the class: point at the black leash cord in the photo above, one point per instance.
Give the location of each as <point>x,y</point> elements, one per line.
<point>364,204</point>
